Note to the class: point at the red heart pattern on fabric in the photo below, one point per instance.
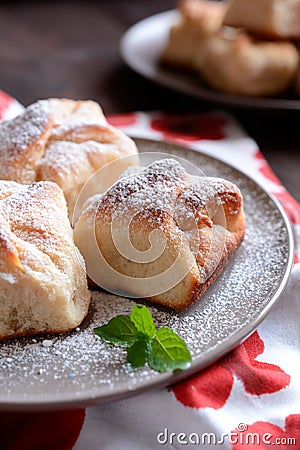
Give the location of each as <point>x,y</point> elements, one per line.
<point>211,387</point>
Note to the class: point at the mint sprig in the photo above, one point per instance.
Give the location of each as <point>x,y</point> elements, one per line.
<point>169,351</point>
<point>119,330</point>
<point>143,320</point>
<point>162,349</point>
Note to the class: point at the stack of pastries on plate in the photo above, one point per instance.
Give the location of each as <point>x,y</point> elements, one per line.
<point>47,154</point>
<point>238,46</point>
<point>60,140</point>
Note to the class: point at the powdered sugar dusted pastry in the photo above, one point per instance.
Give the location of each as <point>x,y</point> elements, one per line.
<point>61,140</point>
<point>198,19</point>
<point>43,286</point>
<point>161,235</point>
<point>273,18</point>
<point>233,62</point>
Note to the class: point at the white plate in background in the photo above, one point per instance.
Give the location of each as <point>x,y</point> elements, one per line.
<point>141,47</point>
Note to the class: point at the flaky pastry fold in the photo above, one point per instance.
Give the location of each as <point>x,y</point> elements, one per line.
<point>60,140</point>
<point>161,234</point>
<point>43,287</point>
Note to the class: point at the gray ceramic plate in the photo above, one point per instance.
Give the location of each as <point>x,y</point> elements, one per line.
<point>142,46</point>
<point>78,369</point>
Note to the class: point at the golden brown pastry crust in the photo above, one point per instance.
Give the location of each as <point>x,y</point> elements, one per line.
<point>199,223</point>
<point>43,286</point>
<point>214,40</point>
<point>60,140</point>
<point>268,18</point>
<point>198,19</point>
<point>233,62</point>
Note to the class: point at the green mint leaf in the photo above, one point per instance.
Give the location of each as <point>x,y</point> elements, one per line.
<point>168,351</point>
<point>119,330</point>
<point>143,320</point>
<point>163,350</point>
<point>138,353</point>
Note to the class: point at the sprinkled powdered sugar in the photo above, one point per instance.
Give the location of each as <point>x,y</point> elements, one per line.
<point>20,132</point>
<point>165,196</point>
<point>21,208</point>
<point>150,192</point>
<point>62,140</point>
<point>80,367</point>
<point>157,188</point>
<point>162,197</point>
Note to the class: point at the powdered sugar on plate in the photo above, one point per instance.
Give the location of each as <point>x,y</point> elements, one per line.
<point>79,369</point>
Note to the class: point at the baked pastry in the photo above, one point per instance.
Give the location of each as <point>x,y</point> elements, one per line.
<point>225,42</point>
<point>161,235</point>
<point>268,18</point>
<point>61,140</point>
<point>43,287</point>
<point>233,62</point>
<point>198,19</point>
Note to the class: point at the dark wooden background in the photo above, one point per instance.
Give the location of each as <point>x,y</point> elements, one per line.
<point>71,49</point>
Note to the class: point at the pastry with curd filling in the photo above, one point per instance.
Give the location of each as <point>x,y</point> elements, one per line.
<point>43,287</point>
<point>161,234</point>
<point>61,140</point>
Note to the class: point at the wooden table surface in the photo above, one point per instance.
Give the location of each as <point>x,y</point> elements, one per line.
<point>71,49</point>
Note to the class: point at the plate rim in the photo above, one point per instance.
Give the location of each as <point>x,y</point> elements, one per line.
<point>171,80</point>
<point>211,355</point>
